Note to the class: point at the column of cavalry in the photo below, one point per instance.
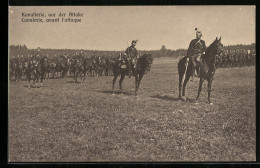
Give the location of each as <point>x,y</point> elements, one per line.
<point>38,67</point>
<point>236,58</point>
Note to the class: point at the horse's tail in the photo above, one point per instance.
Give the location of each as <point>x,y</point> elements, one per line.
<point>181,65</point>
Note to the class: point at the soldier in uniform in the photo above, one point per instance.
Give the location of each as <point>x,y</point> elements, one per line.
<point>131,54</point>
<point>81,53</point>
<point>18,59</point>
<point>196,48</point>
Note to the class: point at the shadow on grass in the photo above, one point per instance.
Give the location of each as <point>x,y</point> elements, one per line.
<point>32,86</point>
<point>73,82</point>
<point>171,98</point>
<point>118,92</point>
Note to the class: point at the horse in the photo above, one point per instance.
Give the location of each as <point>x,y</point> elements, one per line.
<point>65,66</point>
<point>42,69</point>
<point>31,72</point>
<point>80,70</point>
<point>143,66</point>
<point>52,68</point>
<point>94,66</point>
<point>109,69</point>
<point>18,67</point>
<point>206,72</point>
<point>12,69</point>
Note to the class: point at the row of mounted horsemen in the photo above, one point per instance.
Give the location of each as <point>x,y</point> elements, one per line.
<point>199,59</point>
<point>60,67</point>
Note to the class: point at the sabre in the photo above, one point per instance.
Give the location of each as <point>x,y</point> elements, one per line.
<point>184,76</point>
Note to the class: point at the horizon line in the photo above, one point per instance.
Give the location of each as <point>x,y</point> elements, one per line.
<point>114,50</point>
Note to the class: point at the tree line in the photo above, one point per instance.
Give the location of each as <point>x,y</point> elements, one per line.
<point>15,50</point>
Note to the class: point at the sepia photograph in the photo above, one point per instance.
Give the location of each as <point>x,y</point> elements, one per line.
<point>132,83</point>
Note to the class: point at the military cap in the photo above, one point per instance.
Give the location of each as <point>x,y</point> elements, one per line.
<point>134,41</point>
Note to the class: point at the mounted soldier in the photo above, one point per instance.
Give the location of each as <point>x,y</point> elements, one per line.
<point>196,48</point>
<point>131,57</point>
<point>82,55</point>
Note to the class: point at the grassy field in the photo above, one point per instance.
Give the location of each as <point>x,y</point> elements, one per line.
<point>67,122</point>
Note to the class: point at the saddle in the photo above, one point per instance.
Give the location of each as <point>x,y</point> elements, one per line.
<point>124,61</point>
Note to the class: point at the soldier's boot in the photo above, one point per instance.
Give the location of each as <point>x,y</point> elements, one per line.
<point>197,74</point>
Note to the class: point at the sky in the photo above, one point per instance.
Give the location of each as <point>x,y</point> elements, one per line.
<point>114,27</point>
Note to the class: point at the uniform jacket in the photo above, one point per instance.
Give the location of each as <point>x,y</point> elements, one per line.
<point>131,51</point>
<point>196,47</point>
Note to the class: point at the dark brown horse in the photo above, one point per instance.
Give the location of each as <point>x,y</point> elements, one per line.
<point>142,67</point>
<point>42,69</point>
<point>80,70</point>
<point>206,66</point>
<point>31,71</point>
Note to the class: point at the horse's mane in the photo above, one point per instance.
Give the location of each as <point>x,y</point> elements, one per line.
<point>211,47</point>
<point>146,57</point>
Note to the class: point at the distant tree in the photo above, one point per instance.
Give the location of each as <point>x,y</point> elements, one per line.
<point>163,48</point>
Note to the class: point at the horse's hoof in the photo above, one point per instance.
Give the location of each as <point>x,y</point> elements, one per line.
<point>196,102</point>
<point>183,99</point>
<point>210,103</point>
<point>113,94</point>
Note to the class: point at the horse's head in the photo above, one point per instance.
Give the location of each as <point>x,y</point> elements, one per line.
<point>214,49</point>
<point>146,61</point>
<point>219,45</point>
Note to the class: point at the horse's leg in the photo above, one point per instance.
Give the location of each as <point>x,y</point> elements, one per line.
<point>15,76</point>
<point>180,85</point>
<point>52,73</point>
<point>42,77</point>
<point>209,89</point>
<point>121,81</point>
<point>82,77</point>
<point>29,79</point>
<point>36,80</point>
<point>113,83</point>
<point>76,75</point>
<point>184,86</point>
<point>199,90</point>
<point>136,84</point>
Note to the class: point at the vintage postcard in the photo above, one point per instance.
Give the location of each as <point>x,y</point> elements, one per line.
<point>132,83</point>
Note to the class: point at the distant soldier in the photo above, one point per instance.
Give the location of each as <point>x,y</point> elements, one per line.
<point>81,53</point>
<point>22,58</point>
<point>13,59</point>
<point>28,58</point>
<point>38,50</point>
<point>18,58</point>
<point>131,55</point>
<point>196,48</point>
<point>248,58</point>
